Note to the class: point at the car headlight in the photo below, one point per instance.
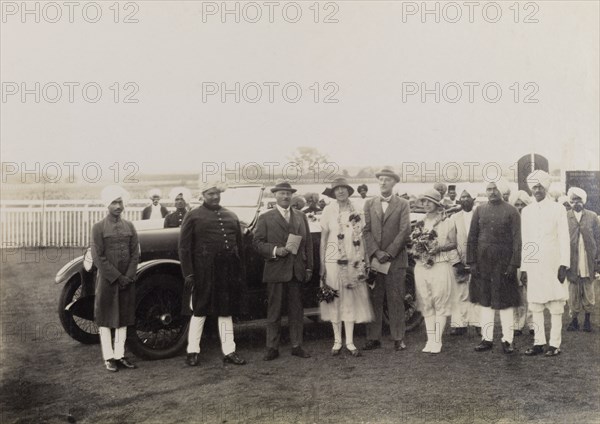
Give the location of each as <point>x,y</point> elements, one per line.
<point>88,262</point>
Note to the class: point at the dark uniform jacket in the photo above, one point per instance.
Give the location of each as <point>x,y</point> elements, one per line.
<point>211,249</point>
<point>174,219</point>
<point>116,252</point>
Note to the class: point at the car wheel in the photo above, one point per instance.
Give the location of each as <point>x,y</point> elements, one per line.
<point>83,330</point>
<point>160,330</point>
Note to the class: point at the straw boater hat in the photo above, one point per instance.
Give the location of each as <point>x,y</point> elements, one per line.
<point>387,172</point>
<point>338,182</point>
<point>432,195</point>
<point>283,186</point>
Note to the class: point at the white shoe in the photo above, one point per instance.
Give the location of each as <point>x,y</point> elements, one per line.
<point>436,348</point>
<point>427,348</point>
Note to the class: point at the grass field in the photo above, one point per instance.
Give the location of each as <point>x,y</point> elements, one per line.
<point>46,375</point>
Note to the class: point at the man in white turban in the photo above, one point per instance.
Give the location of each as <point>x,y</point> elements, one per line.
<point>180,197</point>
<point>115,251</point>
<point>545,259</point>
<point>155,210</point>
<point>211,252</point>
<point>584,232</point>
<point>464,313</point>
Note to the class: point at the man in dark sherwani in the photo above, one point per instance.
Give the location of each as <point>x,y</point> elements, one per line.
<point>210,252</point>
<point>116,253</point>
<point>494,254</point>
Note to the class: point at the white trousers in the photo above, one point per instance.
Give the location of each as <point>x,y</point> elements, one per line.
<point>107,345</point>
<point>556,309</point>
<point>488,316</point>
<point>460,304</point>
<point>225,325</point>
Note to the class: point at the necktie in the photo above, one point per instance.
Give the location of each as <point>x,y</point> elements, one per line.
<point>386,200</point>
<point>286,215</point>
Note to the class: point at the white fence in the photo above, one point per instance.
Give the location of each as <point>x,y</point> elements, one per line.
<point>63,223</point>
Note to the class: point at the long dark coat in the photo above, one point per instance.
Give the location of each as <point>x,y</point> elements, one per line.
<point>589,228</point>
<point>116,252</point>
<point>211,249</point>
<point>494,243</point>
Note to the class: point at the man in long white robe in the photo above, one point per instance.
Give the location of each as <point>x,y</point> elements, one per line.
<point>545,260</point>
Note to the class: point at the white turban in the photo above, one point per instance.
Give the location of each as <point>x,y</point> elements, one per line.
<point>470,190</point>
<point>539,177</point>
<point>576,191</point>
<point>185,192</point>
<point>522,196</point>
<point>214,183</point>
<point>501,184</point>
<point>153,192</point>
<point>112,193</point>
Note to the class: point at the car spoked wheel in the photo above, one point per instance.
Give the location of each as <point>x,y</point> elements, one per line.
<point>160,329</point>
<point>82,329</point>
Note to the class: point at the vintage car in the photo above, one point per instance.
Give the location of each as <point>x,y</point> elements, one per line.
<point>160,329</point>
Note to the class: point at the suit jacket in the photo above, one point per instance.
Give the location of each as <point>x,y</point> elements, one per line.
<point>147,211</point>
<point>272,231</point>
<point>589,228</point>
<point>390,231</point>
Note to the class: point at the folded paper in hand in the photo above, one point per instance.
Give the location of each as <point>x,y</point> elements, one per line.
<point>293,243</point>
<point>379,267</point>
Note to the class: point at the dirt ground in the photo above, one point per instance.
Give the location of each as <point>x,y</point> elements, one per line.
<point>49,377</point>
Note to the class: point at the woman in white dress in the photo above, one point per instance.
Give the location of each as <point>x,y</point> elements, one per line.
<point>342,256</point>
<point>433,270</point>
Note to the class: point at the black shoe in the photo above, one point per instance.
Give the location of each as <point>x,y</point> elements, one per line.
<point>587,325</point>
<point>111,365</point>
<point>399,345</point>
<point>234,358</point>
<point>478,330</point>
<point>458,331</point>
<point>552,351</point>
<point>192,359</point>
<point>299,352</point>
<point>508,347</point>
<point>271,354</point>
<point>517,333</point>
<point>483,346</point>
<point>124,363</point>
<point>372,344</point>
<point>574,325</point>
<point>535,350</point>
<point>531,331</point>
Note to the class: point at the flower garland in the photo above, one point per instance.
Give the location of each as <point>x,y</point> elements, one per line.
<point>358,262</point>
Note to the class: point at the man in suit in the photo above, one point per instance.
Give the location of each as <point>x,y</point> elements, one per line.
<point>584,233</point>
<point>463,311</point>
<point>386,231</point>
<point>284,271</point>
<point>155,210</point>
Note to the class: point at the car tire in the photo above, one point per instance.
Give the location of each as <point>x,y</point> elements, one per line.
<point>82,330</point>
<point>160,330</point>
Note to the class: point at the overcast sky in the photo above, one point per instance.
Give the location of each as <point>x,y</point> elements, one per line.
<point>375,54</point>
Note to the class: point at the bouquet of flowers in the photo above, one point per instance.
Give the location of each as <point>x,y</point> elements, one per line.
<point>422,244</point>
<point>326,294</point>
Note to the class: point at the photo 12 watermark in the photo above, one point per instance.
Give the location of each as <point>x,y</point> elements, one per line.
<point>268,172</point>
<point>56,12</point>
<point>69,92</point>
<point>469,92</point>
<point>269,92</point>
<point>251,12</point>
<point>69,172</point>
<point>453,12</point>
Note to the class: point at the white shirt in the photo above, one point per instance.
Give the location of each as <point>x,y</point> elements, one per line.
<point>467,217</point>
<point>384,205</point>
<point>582,265</point>
<point>155,214</point>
